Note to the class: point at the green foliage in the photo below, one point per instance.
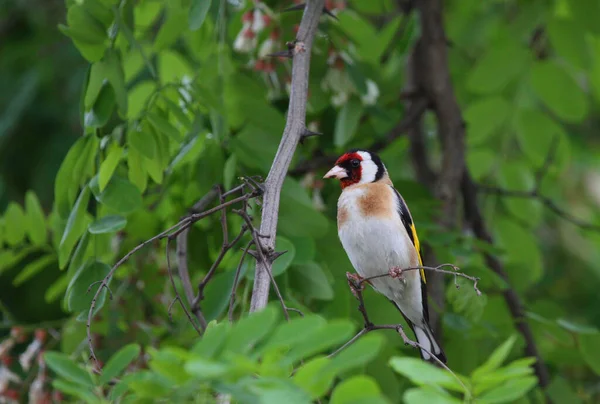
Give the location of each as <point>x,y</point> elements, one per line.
<point>488,383</point>
<point>228,360</point>
<point>113,138</point>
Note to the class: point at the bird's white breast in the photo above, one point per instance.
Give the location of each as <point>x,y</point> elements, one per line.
<point>376,243</point>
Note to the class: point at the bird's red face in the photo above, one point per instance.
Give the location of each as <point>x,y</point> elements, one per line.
<point>357,167</point>
<point>348,169</point>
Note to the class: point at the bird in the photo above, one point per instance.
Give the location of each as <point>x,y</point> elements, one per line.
<point>379,236</point>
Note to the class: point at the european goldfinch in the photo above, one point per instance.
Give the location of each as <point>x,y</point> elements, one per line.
<point>379,236</point>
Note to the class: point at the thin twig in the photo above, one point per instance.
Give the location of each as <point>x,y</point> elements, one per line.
<point>356,288</point>
<point>171,233</point>
<point>182,246</point>
<point>178,297</point>
<point>263,259</point>
<point>455,272</point>
<point>236,279</point>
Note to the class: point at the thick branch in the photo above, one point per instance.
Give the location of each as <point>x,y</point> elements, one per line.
<point>432,62</point>
<point>477,223</point>
<point>292,133</point>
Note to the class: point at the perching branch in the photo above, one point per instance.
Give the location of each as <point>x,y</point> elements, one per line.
<point>356,284</point>
<point>294,128</point>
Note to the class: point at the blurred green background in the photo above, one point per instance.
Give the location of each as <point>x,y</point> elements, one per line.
<point>166,99</point>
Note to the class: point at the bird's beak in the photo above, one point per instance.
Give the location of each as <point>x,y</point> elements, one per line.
<point>336,172</point>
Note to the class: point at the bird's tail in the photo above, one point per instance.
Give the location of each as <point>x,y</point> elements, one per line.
<point>427,341</point>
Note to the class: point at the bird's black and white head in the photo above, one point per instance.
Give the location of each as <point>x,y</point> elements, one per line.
<point>357,167</point>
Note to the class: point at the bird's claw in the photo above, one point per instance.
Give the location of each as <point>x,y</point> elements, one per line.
<point>355,282</point>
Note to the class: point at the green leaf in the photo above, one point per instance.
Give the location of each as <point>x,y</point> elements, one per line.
<point>102,110</point>
<point>288,334</point>
<point>315,377</point>
<point>137,173</point>
<point>14,218</point>
<point>588,346</point>
<point>119,362</point>
<point>138,96</point>
<point>120,195</point>
<point>305,249</point>
<point>109,165</point>
<point>509,391</point>
<point>198,11</point>
<point>575,327</point>
<point>172,67</point>
<point>163,126</point>
<point>496,358</point>
<point>116,77</point>
<point>311,281</point>
<point>497,68</point>
<point>559,91</point>
<point>250,330</point>
<point>585,13</point>
<point>427,395</point>
<point>356,390</point>
<point>347,122</point>
<point>206,369</point>
<point>33,269</point>
<point>334,333</point>
<point>65,367</point>
<point>358,354</point>
<point>36,220</point>
<point>171,28</point>
<point>108,224</point>
<point>425,374</point>
<point>485,118</point>
<point>73,172</point>
<point>536,133</point>
<point>76,226</point>
<point>79,299</point>
<point>143,142</point>
<point>568,40</point>
<point>212,341</point>
<point>480,162</point>
<point>523,257</point>
<point>229,171</point>
<point>76,390</point>
<point>561,392</point>
<point>517,176</point>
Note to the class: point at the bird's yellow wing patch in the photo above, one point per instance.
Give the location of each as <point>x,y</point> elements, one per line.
<point>418,248</point>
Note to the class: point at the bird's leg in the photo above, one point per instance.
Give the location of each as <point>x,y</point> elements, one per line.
<point>355,282</point>
<point>356,287</point>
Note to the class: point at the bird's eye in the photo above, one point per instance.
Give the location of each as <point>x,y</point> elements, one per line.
<point>355,163</point>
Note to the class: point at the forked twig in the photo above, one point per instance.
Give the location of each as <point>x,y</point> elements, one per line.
<point>356,287</point>
<point>171,233</point>
<point>178,297</point>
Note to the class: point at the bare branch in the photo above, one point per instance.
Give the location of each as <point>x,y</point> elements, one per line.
<point>170,234</point>
<point>182,246</point>
<point>292,134</point>
<point>397,273</point>
<point>513,301</point>
<point>236,279</point>
<point>178,297</point>
<point>356,287</point>
<point>534,193</point>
